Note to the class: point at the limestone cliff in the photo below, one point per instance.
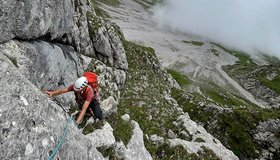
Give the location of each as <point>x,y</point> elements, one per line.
<point>48,45</point>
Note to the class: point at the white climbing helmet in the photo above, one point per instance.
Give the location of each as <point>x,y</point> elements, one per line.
<point>80,83</point>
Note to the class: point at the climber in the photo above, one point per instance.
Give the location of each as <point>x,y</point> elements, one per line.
<point>85,96</point>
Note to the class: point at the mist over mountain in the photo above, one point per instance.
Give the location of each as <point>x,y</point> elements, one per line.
<point>249,25</point>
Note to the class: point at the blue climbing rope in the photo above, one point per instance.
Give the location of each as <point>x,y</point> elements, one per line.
<point>61,139</point>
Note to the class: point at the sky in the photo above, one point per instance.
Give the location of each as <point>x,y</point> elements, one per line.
<point>252,26</point>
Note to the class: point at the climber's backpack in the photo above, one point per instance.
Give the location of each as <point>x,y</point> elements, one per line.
<point>92,80</point>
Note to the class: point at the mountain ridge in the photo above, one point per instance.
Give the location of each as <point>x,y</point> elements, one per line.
<point>149,111</point>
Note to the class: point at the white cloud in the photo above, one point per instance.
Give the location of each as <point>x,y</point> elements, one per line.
<point>248,25</point>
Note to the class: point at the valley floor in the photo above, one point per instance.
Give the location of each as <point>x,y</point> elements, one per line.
<point>188,54</point>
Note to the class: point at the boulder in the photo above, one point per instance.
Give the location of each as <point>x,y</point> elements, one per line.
<point>156,140</point>
<point>135,149</point>
<point>109,106</point>
<point>102,137</point>
<point>126,117</point>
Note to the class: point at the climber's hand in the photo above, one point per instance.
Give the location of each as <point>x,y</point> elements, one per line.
<point>49,93</point>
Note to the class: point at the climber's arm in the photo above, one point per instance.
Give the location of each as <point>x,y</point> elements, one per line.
<point>84,109</point>
<point>56,92</point>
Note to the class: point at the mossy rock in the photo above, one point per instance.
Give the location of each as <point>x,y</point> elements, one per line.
<point>196,43</point>
<point>98,10</point>
<point>235,129</point>
<point>181,79</point>
<point>143,95</point>
<point>13,60</point>
<point>200,140</point>
<point>244,58</point>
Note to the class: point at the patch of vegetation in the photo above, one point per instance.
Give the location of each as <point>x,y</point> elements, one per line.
<point>108,152</point>
<point>196,43</point>
<point>123,131</point>
<point>239,69</point>
<point>165,152</point>
<point>181,79</point>
<point>200,140</point>
<point>273,83</point>
<point>144,69</point>
<point>208,154</point>
<point>88,128</point>
<point>98,10</point>
<point>13,60</point>
<point>190,105</point>
<point>110,2</point>
<point>97,22</point>
<point>214,51</point>
<point>238,135</point>
<point>148,3</point>
<point>143,95</point>
<point>224,99</point>
<point>277,136</point>
<point>242,122</point>
<point>179,65</point>
<point>240,126</point>
<point>117,30</point>
<point>94,23</point>
<point>272,60</point>
<point>234,128</point>
<point>266,76</point>
<point>244,58</point>
<point>78,23</point>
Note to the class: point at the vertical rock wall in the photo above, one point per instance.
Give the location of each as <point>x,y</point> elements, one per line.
<point>33,19</point>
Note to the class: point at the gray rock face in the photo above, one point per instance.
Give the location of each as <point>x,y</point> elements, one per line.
<point>67,21</point>
<point>200,138</point>
<point>109,106</point>
<point>250,81</point>
<point>31,125</point>
<point>102,137</point>
<point>32,19</point>
<point>110,79</point>
<point>46,65</point>
<point>51,66</point>
<point>266,136</point>
<point>156,140</point>
<point>171,134</point>
<point>135,149</point>
<point>106,38</point>
<point>79,37</point>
